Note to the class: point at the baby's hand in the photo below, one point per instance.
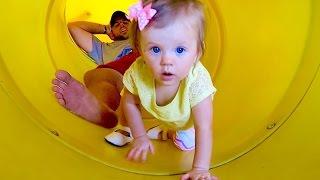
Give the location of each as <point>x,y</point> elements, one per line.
<point>196,174</point>
<point>141,146</point>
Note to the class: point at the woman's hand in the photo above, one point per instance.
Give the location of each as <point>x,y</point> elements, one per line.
<point>197,174</point>
<point>141,146</point>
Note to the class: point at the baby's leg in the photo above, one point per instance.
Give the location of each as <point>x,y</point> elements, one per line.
<point>184,139</point>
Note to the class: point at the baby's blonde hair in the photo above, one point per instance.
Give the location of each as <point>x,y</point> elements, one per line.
<point>167,12</point>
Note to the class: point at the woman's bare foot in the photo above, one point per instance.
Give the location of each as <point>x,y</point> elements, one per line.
<point>75,97</point>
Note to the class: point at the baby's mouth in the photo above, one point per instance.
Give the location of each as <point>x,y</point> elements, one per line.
<point>167,74</point>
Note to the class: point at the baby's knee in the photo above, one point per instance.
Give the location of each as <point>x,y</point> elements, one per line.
<point>184,139</point>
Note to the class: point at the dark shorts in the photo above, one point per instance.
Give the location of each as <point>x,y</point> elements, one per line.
<point>122,64</point>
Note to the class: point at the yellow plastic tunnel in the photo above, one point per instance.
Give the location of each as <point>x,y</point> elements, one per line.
<point>263,57</point>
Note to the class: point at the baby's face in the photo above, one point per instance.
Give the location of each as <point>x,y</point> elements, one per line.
<point>170,51</point>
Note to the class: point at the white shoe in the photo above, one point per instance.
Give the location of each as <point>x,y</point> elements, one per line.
<point>120,137</point>
<point>153,133</point>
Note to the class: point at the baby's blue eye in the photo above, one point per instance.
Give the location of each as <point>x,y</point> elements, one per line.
<point>155,49</point>
<point>180,50</point>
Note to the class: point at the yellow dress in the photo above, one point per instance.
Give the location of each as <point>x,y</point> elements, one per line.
<point>197,86</point>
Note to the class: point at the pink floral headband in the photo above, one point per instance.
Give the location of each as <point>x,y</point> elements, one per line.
<point>141,14</point>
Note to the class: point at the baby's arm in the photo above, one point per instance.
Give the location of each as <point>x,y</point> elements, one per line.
<point>142,144</point>
<point>202,113</point>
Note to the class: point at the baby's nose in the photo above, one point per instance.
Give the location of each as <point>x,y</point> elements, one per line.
<point>166,60</point>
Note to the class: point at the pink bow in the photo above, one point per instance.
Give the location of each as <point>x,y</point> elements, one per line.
<point>141,14</point>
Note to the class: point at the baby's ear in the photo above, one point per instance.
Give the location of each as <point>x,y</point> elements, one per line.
<point>199,55</point>
<point>203,45</point>
<point>201,49</point>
